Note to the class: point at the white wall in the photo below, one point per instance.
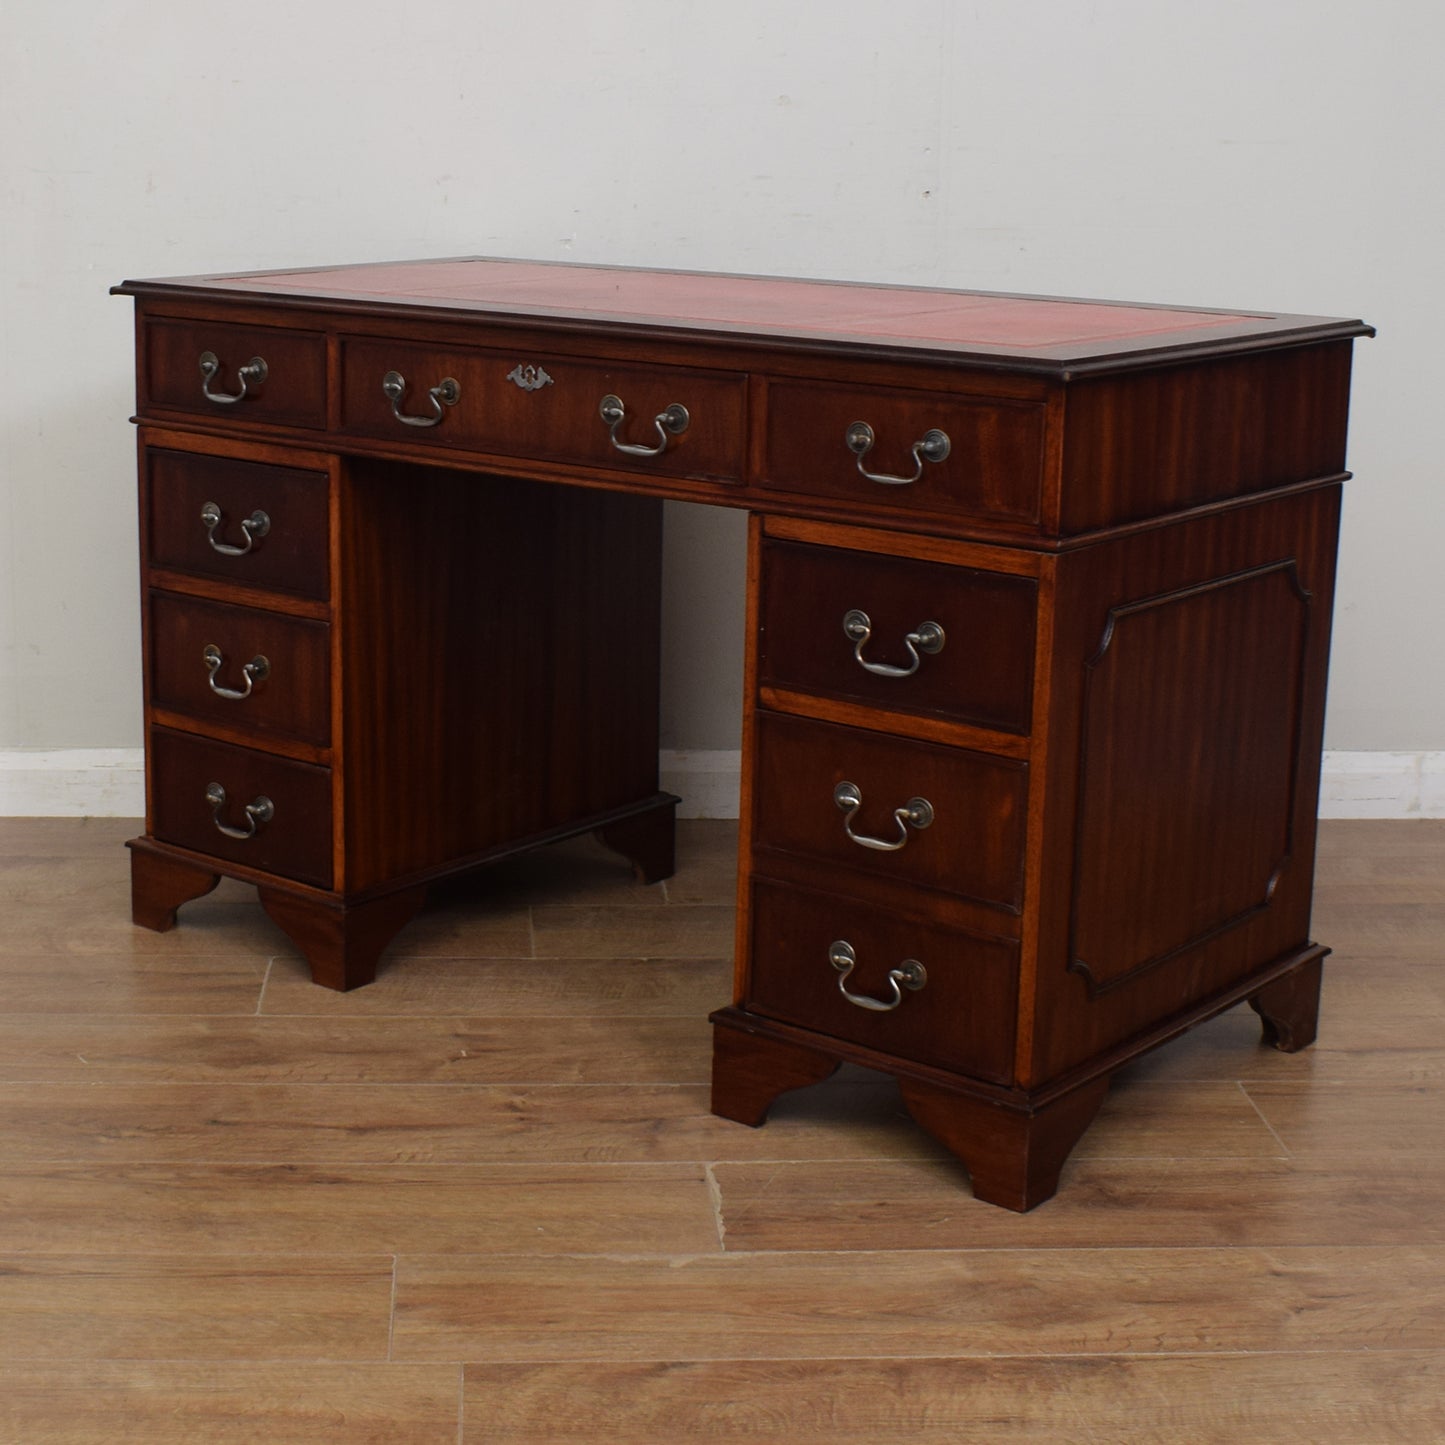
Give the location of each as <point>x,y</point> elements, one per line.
<point>1281,154</point>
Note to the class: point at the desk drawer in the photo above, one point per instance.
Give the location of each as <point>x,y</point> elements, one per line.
<point>241,666</point>
<point>974,658</point>
<point>971,845</point>
<point>293,842</point>
<point>962,1017</point>
<point>196,506</point>
<point>287,388</point>
<point>993,469</point>
<point>558,419</point>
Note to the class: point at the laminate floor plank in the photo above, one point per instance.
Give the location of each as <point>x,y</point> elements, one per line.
<point>133,983</point>
<point>231,1403</point>
<point>335,1124</point>
<point>193,1209</point>
<point>1114,1202</point>
<point>1407,1120</point>
<point>210,1306</point>
<point>1383,1398</point>
<point>142,1049</point>
<point>234,1207</point>
<point>1002,1301</point>
<point>101,839</point>
<point>597,988</point>
<point>699,930</point>
<point>101,924</point>
<point>1368,1034</point>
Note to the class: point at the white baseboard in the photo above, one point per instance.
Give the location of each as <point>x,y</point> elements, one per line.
<point>707,782</point>
<point>73,783</point>
<point>110,783</point>
<point>1383,785</point>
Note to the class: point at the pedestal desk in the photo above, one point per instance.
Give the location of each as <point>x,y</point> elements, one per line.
<point>1038,621</point>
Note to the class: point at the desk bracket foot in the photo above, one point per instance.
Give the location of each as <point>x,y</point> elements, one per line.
<point>159,885</point>
<point>1289,1008</point>
<point>645,839</point>
<point>1014,1156</point>
<point>750,1070</point>
<point>342,943</point>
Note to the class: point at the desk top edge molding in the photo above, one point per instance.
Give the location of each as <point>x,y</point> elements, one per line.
<point>1223,332</point>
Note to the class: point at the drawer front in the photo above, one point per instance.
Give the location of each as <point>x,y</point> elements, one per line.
<point>504,407</point>
<point>197,505</point>
<point>241,666</point>
<point>972,844</point>
<point>294,842</point>
<point>973,657</point>
<point>993,469</point>
<point>291,392</point>
<point>961,1018</point>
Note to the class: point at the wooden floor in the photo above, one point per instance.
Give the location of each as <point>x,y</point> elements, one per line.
<point>483,1199</point>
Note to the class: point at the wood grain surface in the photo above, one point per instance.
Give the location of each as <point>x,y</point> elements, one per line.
<point>484,1199</point>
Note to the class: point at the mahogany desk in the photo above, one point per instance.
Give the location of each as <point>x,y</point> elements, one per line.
<point>1038,622</point>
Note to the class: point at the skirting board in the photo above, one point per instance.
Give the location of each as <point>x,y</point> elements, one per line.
<point>110,783</point>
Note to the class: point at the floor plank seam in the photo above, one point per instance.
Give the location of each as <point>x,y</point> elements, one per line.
<point>715,1199</point>
<point>1285,1151</point>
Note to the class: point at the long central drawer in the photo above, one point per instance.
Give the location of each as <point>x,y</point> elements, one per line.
<point>546,407</point>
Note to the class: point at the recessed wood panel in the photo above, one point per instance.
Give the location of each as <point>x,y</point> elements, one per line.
<point>1187,782</point>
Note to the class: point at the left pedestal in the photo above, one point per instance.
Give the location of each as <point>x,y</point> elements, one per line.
<point>364,676</point>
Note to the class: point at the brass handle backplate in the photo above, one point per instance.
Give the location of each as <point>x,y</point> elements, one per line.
<point>932,446</point>
<point>926,637</point>
<point>258,811</point>
<point>915,813</point>
<point>909,974</point>
<point>251,673</point>
<point>253,373</point>
<point>671,422</point>
<point>447,392</point>
<point>252,527</point>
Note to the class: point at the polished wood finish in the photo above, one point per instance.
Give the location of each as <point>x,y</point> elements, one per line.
<point>291,701</point>
<point>294,843</point>
<point>751,1069</point>
<point>983,674</point>
<point>1184,437</point>
<point>1014,1156</point>
<point>1290,1007</point>
<point>1129,546</point>
<point>484,1198</point>
<point>994,469</point>
<point>292,394</point>
<point>291,558</point>
<point>962,1016</point>
<point>160,884</point>
<point>495,415</point>
<point>342,943</point>
<point>973,846</point>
